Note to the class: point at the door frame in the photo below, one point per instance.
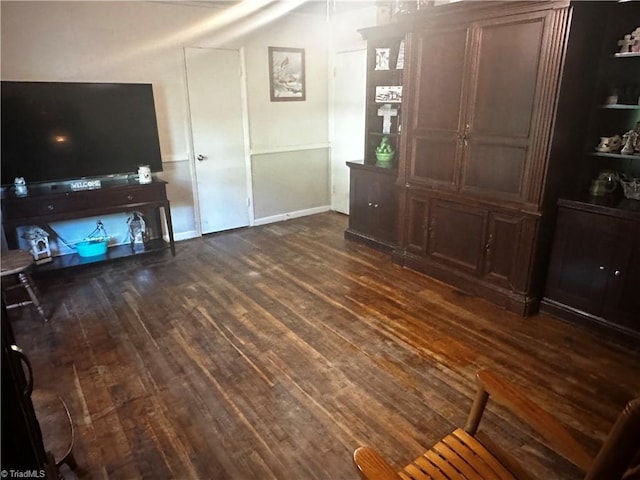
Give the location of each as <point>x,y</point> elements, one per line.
<point>191,157</point>
<point>333,164</point>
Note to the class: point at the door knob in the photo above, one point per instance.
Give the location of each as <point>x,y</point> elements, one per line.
<point>201,157</point>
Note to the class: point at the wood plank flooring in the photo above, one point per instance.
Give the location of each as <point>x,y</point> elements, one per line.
<point>272,352</point>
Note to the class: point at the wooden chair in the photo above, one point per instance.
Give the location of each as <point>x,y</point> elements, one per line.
<point>469,454</point>
<point>17,263</point>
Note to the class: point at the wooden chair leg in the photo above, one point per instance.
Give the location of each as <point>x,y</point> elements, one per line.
<point>477,409</point>
<point>27,283</point>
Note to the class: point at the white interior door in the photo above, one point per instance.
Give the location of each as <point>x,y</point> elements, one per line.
<point>349,85</point>
<point>215,91</point>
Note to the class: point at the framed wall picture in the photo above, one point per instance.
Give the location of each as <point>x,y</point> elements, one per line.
<point>286,74</point>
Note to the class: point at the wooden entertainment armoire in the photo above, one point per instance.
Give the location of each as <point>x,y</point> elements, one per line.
<point>492,130</point>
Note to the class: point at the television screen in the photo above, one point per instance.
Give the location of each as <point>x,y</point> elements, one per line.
<point>54,131</point>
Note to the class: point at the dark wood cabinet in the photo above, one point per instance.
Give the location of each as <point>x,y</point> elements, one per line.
<point>481,86</point>
<point>494,129</point>
<point>455,234</point>
<point>373,206</point>
<point>479,93</point>
<point>594,272</point>
<point>485,251</point>
<point>373,197</point>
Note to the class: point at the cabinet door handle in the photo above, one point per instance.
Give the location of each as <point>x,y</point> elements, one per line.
<point>601,267</point>
<point>370,204</point>
<point>129,197</point>
<point>51,208</point>
<point>375,205</point>
<point>617,273</point>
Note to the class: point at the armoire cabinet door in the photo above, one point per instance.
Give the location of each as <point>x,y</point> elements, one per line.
<point>622,299</point>
<point>434,149</point>
<point>582,254</point>
<point>416,225</point>
<point>595,267</point>
<point>373,204</point>
<point>478,123</point>
<point>503,106</point>
<point>455,235</point>
<point>490,244</point>
<point>508,245</point>
<point>359,202</point>
<point>385,210</point>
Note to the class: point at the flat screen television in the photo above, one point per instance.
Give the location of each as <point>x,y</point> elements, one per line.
<point>54,131</point>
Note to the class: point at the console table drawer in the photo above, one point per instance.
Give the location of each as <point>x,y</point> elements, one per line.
<point>42,207</point>
<point>148,193</point>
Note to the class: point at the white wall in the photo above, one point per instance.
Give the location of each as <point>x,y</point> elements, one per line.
<point>144,41</point>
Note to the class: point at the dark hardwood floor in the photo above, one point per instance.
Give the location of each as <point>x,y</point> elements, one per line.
<point>272,352</point>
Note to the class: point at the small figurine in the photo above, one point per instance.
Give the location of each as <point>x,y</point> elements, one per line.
<point>20,187</point>
<point>137,228</point>
<point>384,153</point>
<point>609,144</point>
<point>610,178</point>
<point>612,99</point>
<point>636,36</point>
<point>630,141</point>
<point>626,43</point>
<point>39,242</point>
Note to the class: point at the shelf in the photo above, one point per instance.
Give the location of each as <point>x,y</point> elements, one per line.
<point>373,168</point>
<point>388,70</point>
<point>380,134</point>
<point>620,107</point>
<point>616,155</point>
<point>113,253</point>
<point>610,204</point>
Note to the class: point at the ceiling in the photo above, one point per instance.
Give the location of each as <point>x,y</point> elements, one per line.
<point>312,7</point>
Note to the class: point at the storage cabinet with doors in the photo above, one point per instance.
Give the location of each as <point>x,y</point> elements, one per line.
<point>373,199</point>
<point>373,206</point>
<point>594,273</point>
<point>479,249</point>
<point>481,88</point>
<point>480,98</point>
<point>494,122</point>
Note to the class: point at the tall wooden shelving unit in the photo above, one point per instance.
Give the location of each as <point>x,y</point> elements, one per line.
<point>594,273</point>
<point>373,197</point>
<point>492,133</point>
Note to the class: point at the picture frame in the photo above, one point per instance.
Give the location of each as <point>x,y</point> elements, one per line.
<point>388,94</point>
<point>382,58</point>
<point>287,81</point>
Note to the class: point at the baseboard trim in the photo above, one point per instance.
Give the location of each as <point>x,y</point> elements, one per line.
<point>182,235</point>
<point>289,215</point>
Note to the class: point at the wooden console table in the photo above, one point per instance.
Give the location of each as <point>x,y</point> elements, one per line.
<point>51,203</point>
